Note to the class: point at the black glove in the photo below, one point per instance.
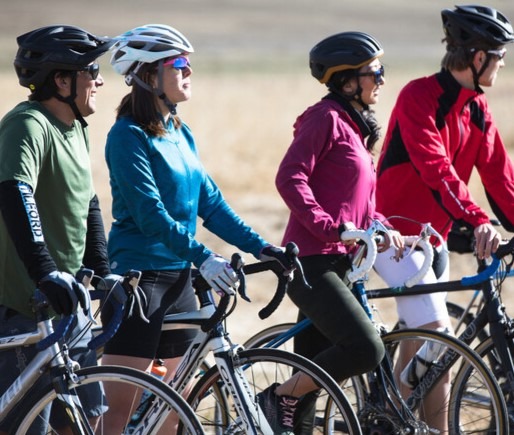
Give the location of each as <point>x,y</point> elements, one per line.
<point>64,292</point>
<point>270,252</point>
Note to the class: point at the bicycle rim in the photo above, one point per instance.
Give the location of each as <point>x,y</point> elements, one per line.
<point>166,400</point>
<point>353,388</point>
<point>473,403</point>
<point>261,368</point>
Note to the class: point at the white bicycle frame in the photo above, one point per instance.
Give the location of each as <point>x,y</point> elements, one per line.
<point>217,342</point>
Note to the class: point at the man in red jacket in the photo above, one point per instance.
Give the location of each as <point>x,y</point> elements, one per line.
<point>440,129</point>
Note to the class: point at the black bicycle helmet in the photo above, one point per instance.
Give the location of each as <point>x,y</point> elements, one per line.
<point>58,47</point>
<point>343,51</point>
<point>473,25</point>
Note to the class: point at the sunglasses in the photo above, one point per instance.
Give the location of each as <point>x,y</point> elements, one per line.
<point>500,54</point>
<point>93,70</point>
<point>178,62</point>
<point>378,74</point>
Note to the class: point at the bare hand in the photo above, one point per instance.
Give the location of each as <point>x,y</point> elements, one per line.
<point>487,240</point>
<point>393,238</point>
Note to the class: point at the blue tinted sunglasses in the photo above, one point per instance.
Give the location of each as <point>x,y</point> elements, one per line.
<point>178,62</point>
<point>378,74</point>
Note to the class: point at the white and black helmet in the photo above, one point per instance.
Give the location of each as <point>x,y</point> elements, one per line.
<point>147,44</point>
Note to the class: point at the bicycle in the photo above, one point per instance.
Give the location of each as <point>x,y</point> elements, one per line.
<point>475,403</point>
<point>30,394</point>
<point>224,395</point>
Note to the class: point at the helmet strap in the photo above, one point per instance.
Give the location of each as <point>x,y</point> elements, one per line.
<point>171,106</point>
<point>70,100</point>
<point>159,92</point>
<point>356,96</point>
<point>478,74</point>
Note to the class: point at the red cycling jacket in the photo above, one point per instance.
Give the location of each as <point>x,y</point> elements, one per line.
<point>437,133</point>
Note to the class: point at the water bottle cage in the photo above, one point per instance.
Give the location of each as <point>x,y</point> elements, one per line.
<point>413,379</point>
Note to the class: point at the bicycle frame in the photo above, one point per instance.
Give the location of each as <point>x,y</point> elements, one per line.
<point>217,342</point>
<point>50,355</point>
<point>382,378</point>
<point>383,372</point>
<point>493,314</point>
<point>32,371</point>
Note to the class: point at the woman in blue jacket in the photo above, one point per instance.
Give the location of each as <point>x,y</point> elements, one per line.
<point>159,189</point>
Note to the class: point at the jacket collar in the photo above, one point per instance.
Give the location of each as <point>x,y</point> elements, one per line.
<point>354,113</point>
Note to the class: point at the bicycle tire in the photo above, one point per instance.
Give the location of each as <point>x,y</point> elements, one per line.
<point>470,379</point>
<point>488,351</point>
<point>261,368</point>
<point>34,404</point>
<point>354,388</point>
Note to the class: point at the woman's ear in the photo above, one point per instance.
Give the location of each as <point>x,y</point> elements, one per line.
<point>349,86</point>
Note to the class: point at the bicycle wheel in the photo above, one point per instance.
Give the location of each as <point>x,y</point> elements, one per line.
<point>488,351</point>
<point>354,388</point>
<point>166,400</point>
<point>474,402</point>
<point>216,409</point>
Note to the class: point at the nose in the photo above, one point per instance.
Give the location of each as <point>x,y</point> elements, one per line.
<point>99,80</point>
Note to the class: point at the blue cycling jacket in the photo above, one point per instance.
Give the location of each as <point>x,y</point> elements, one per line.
<point>159,189</point>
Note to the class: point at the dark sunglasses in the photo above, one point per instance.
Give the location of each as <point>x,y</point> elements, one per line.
<point>378,74</point>
<point>178,62</point>
<point>93,70</point>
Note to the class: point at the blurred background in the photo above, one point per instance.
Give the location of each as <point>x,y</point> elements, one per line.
<point>251,80</point>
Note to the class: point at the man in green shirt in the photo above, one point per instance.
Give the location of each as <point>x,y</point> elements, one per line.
<point>50,220</point>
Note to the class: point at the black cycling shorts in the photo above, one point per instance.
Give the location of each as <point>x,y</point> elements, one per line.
<point>166,292</point>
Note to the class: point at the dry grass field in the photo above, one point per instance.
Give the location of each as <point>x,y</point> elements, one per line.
<point>250,82</point>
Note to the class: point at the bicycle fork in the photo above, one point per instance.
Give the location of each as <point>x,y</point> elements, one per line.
<point>248,411</point>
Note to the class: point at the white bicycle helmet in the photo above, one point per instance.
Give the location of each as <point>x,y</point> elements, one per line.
<point>147,44</point>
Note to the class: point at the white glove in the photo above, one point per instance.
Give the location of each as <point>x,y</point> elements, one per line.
<point>219,274</point>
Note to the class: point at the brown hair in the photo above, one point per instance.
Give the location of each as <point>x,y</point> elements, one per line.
<point>49,88</point>
<point>141,105</point>
<point>459,57</point>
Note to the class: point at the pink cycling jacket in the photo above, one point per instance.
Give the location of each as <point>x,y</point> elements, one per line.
<point>327,178</point>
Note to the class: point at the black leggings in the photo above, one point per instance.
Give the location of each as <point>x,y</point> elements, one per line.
<point>342,339</point>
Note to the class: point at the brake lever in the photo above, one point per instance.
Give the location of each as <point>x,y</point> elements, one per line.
<point>84,276</point>
<point>133,281</point>
<point>237,262</point>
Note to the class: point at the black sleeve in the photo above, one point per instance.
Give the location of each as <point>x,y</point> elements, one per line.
<point>95,256</point>
<point>20,214</point>
<point>502,217</point>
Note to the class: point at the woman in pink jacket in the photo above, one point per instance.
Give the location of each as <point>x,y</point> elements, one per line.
<point>327,179</point>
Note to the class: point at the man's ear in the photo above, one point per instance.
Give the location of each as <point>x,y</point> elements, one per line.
<point>62,81</point>
<point>479,58</point>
